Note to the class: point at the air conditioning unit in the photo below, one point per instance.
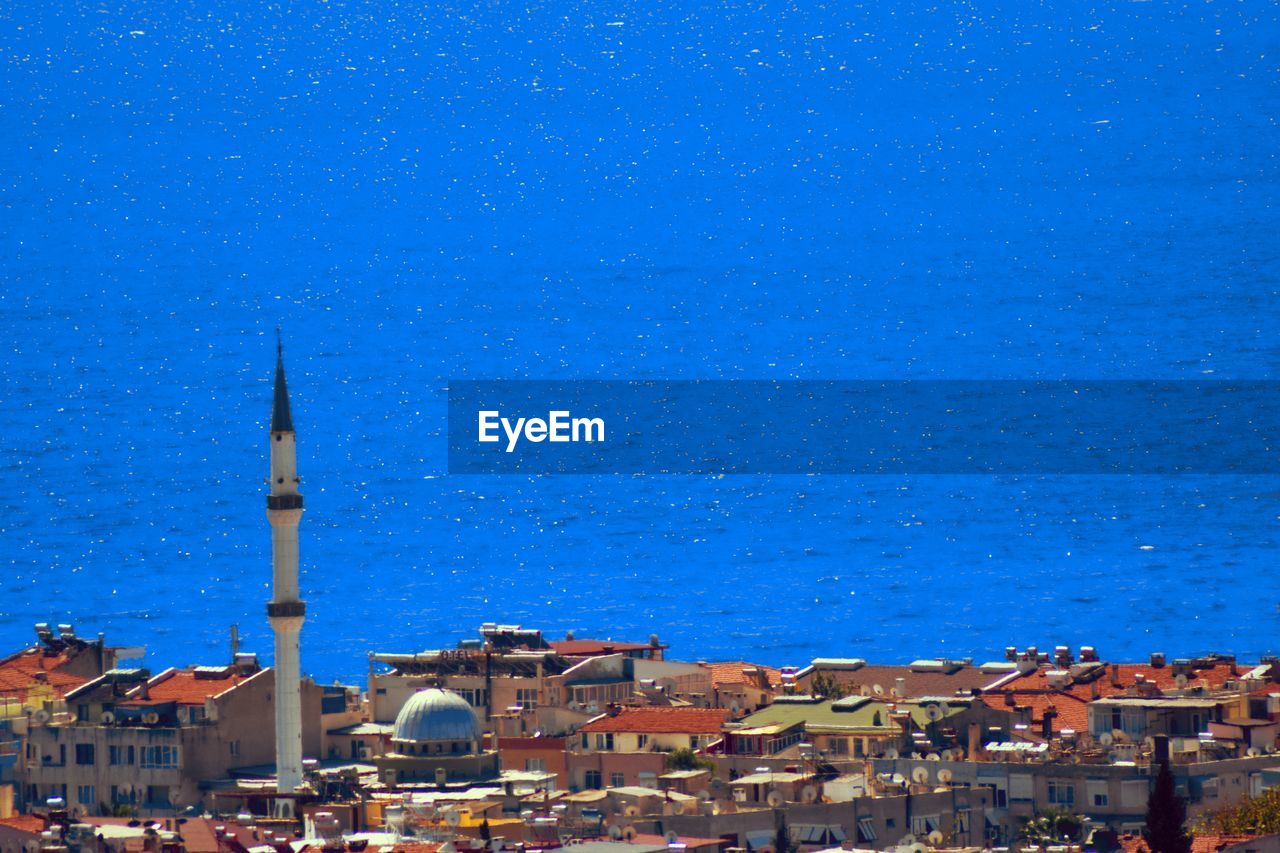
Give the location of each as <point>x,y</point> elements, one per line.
<point>365,753</point>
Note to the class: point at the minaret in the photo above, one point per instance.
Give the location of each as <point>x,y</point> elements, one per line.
<point>285,610</point>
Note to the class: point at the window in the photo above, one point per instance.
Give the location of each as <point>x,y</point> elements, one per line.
<point>159,757</point>
<point>591,779</point>
<point>617,780</point>
<point>82,713</point>
<point>86,797</point>
<point>604,741</point>
<point>866,830</point>
<point>1062,793</point>
<point>694,741</point>
<point>84,753</point>
<point>535,765</point>
<point>234,747</point>
<point>642,741</point>
<point>1097,793</point>
<point>924,824</point>
<point>1020,786</point>
<point>527,697</point>
<point>1133,793</point>
<point>476,697</point>
<point>962,820</point>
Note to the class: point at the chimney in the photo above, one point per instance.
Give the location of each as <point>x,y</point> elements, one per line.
<point>1160,755</point>
<point>1046,724</point>
<point>975,741</point>
<point>1095,689</point>
<point>901,684</point>
<point>1115,675</point>
<point>1157,660</point>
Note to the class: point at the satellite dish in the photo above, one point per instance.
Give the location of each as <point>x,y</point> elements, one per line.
<point>42,716</point>
<point>1119,736</point>
<point>920,775</point>
<point>629,833</point>
<point>774,799</point>
<point>734,707</point>
<point>944,707</point>
<point>907,840</point>
<point>615,832</point>
<point>893,691</point>
<point>1253,752</point>
<point>673,836</point>
<point>891,753</point>
<point>703,795</point>
<point>453,818</point>
<point>899,779</point>
<point>933,713</point>
<point>1149,742</point>
<point>877,689</point>
<point>677,808</point>
<point>1181,680</point>
<point>864,690</point>
<point>1106,739</point>
<point>944,775</point>
<point>809,794</point>
<point>935,838</point>
<point>933,756</point>
<point>107,718</point>
<point>631,811</point>
<point>151,719</point>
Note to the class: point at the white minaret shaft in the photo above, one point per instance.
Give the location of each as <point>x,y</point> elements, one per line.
<point>285,611</point>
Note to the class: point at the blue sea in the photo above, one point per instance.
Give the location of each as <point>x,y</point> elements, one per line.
<point>425,192</point>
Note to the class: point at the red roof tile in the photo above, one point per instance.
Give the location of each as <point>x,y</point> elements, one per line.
<point>661,720</point>
<point>735,673</point>
<point>1126,674</point>
<point>1072,711</point>
<point>18,672</point>
<point>28,823</point>
<point>183,687</point>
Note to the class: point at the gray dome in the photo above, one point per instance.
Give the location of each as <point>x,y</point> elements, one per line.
<point>434,715</point>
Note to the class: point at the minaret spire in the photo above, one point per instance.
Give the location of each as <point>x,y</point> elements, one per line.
<point>285,611</point>
<point>281,418</point>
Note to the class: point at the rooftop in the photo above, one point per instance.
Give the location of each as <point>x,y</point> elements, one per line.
<point>660,720</point>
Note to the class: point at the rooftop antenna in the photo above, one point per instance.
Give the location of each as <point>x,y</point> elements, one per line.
<point>235,641</point>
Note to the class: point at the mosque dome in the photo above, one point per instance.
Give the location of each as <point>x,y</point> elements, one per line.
<point>435,715</point>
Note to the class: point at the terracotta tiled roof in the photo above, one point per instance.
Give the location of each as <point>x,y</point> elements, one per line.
<point>735,673</point>
<point>183,687</point>
<point>18,672</point>
<point>571,648</point>
<point>1162,677</point>
<point>28,823</point>
<point>661,720</point>
<point>1073,712</point>
<point>1214,843</point>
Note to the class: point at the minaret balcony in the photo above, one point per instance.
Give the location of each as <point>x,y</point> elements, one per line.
<point>286,609</point>
<point>284,501</point>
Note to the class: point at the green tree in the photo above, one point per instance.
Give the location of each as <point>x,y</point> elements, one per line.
<point>685,758</point>
<point>826,686</point>
<point>1166,817</point>
<point>1258,815</point>
<point>1050,827</point>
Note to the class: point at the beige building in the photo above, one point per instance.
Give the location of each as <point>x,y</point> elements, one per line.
<point>153,745</point>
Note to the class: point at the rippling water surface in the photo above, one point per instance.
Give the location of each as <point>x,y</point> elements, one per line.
<point>419,192</point>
